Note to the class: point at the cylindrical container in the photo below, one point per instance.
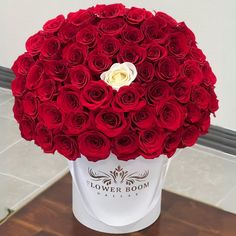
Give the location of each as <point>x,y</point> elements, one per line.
<point>115,196</point>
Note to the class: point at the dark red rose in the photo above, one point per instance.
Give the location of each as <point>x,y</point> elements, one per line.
<point>34,43</point>
<point>99,62</point>
<point>193,113</point>
<point>182,90</point>
<point>109,45</point>
<point>143,118</point>
<point>168,19</point>
<point>209,78</point>
<point>167,69</point>
<point>81,18</point>
<point>94,145</point>
<point>18,86</point>
<point>77,122</point>
<point>35,76</point>
<point>50,115</point>
<point>170,115</point>
<point>196,54</point>
<point>178,45</point>
<point>111,26</point>
<point>75,54</point>
<point>51,48</point>
<point>131,53</point>
<point>200,97</point>
<point>190,135</point>
<point>23,64</point>
<point>53,25</point>
<point>158,91</point>
<point>79,76</point>
<point>181,27</point>
<point>152,28</point>
<point>97,94</point>
<point>136,15</point>
<point>172,141</point>
<point>66,146</point>
<point>214,102</point>
<point>151,142</point>
<point>204,123</point>
<point>109,11</point>
<point>128,98</point>
<point>155,51</point>
<point>30,104</point>
<point>67,32</point>
<point>125,146</point>
<point>46,90</point>
<point>132,34</point>
<point>192,71</point>
<point>87,36</point>
<point>56,69</point>
<point>110,123</point>
<point>44,138</point>
<point>18,109</point>
<point>69,99</point>
<point>145,72</point>
<point>27,128</point>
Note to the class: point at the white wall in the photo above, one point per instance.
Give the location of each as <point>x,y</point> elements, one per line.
<point>213,22</point>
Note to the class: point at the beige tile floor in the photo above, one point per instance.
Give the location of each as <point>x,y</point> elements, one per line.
<point>199,172</point>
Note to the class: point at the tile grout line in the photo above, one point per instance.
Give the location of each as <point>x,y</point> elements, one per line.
<point>21,179</point>
<point>11,145</point>
<point>226,195</point>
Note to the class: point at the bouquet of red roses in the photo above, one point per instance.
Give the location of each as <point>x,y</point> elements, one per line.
<point>113,79</point>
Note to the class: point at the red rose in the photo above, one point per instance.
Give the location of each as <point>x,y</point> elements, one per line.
<point>143,118</point>
<point>77,122</point>
<point>109,45</point>
<point>98,62</point>
<point>54,24</point>
<point>87,36</point>
<point>46,90</point>
<point>214,102</point>
<point>18,109</point>
<point>193,113</point>
<point>30,104</point>
<point>51,48</point>
<point>192,71</point>
<point>35,76</point>
<point>69,99</point>
<point>209,78</point>
<point>155,51</point>
<point>145,72</point>
<point>44,138</point>
<point>56,69</point>
<point>151,142</point>
<point>137,15</point>
<point>190,135</point>
<point>131,53</point>
<point>158,91</point>
<point>74,54</point>
<point>110,123</point>
<point>94,145</point>
<point>125,146</point>
<point>204,123</point>
<point>196,54</point>
<point>18,86</point>
<point>109,11</point>
<point>34,43</point>
<point>50,115</point>
<point>200,97</point>
<point>67,32</point>
<point>132,34</point>
<point>23,64</point>
<point>178,44</point>
<point>168,19</point>
<point>167,69</point>
<point>66,146</point>
<point>172,142</point>
<point>97,94</point>
<point>182,90</point>
<point>79,76</point>
<point>170,115</point>
<point>27,128</point>
<point>128,98</point>
<point>181,27</point>
<point>111,26</point>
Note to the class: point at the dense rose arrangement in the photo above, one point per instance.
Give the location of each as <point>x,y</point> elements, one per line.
<point>113,79</point>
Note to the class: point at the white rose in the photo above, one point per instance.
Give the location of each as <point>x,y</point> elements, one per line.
<point>120,75</point>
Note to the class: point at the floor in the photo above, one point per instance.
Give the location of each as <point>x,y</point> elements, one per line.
<point>199,173</point>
